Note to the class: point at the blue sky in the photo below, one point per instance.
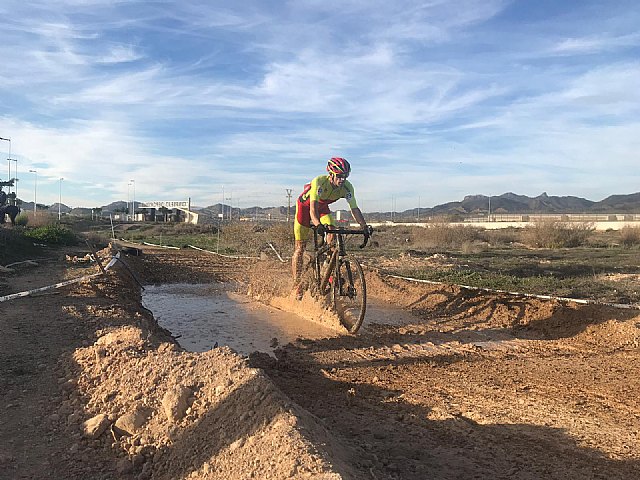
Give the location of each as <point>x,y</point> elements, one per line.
<point>430,101</point>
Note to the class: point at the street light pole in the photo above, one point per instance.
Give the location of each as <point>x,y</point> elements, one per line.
<point>35,190</point>
<point>8,140</point>
<point>15,185</point>
<point>133,206</point>
<point>60,199</point>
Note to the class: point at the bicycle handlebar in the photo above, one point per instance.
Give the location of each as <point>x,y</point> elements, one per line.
<point>366,232</point>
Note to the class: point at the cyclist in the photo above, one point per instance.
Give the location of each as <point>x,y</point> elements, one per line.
<point>312,210</point>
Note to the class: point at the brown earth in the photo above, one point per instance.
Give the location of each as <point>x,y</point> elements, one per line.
<point>457,384</point>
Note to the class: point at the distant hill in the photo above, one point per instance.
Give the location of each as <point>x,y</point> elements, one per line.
<point>28,207</point>
<point>511,203</point>
<point>507,203</point>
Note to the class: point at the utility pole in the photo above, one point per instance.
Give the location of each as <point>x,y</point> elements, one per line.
<point>289,190</point>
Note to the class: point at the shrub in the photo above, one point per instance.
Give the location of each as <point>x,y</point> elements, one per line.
<point>503,236</point>
<point>52,234</point>
<point>630,236</point>
<point>556,234</point>
<point>43,218</point>
<point>440,235</point>
<point>22,220</point>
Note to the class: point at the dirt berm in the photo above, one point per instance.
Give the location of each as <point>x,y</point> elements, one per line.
<point>461,384</point>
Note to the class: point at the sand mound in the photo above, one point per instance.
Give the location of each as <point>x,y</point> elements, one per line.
<point>173,414</point>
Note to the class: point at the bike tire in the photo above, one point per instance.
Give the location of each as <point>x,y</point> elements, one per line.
<point>311,276</point>
<point>350,293</point>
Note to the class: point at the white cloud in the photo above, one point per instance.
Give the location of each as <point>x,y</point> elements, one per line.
<point>452,97</point>
<point>595,44</point>
<point>121,54</point>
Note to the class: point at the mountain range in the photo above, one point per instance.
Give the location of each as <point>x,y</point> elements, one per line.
<point>511,203</point>
<point>507,203</point>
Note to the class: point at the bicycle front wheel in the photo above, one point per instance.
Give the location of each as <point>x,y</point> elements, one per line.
<point>350,293</point>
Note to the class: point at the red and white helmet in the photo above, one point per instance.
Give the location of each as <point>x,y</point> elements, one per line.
<point>339,166</point>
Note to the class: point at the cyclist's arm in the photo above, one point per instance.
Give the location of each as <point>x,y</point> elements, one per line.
<point>357,214</point>
<point>315,213</point>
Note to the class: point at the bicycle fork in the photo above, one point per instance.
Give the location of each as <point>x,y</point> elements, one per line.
<point>331,267</point>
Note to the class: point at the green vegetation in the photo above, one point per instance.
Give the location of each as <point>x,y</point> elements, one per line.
<point>52,235</point>
<point>22,220</point>
<point>551,258</point>
<point>603,266</point>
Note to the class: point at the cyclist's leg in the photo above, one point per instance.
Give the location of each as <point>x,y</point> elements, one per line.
<point>301,234</point>
<point>326,218</point>
<point>297,259</point>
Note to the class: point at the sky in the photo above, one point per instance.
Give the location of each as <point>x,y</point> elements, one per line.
<point>242,101</point>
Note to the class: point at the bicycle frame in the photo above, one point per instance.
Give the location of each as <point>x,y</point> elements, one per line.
<point>337,254</point>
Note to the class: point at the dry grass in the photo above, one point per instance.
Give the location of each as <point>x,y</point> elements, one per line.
<point>630,236</point>
<point>441,235</point>
<point>41,219</point>
<point>254,238</point>
<point>555,234</point>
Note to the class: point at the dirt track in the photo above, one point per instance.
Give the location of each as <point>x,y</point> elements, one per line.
<point>472,385</point>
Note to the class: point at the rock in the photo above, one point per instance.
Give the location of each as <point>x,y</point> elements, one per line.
<point>175,402</point>
<point>130,422</point>
<point>94,427</point>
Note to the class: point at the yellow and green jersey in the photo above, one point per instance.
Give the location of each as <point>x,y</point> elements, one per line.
<point>322,191</point>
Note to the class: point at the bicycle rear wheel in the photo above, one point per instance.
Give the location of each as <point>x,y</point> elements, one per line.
<point>350,293</point>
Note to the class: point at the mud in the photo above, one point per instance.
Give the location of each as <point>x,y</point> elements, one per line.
<point>204,316</point>
<point>441,383</point>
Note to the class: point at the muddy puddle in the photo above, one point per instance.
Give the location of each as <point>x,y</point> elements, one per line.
<point>203,316</point>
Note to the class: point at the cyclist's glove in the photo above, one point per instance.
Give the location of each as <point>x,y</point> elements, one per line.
<point>321,229</point>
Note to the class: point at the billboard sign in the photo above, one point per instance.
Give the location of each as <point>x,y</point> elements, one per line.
<point>183,204</point>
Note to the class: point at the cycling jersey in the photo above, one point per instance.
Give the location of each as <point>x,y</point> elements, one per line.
<point>322,191</point>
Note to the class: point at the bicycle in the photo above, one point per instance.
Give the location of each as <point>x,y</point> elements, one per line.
<point>339,273</point>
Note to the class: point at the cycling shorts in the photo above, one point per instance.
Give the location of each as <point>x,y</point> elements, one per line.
<point>302,222</point>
